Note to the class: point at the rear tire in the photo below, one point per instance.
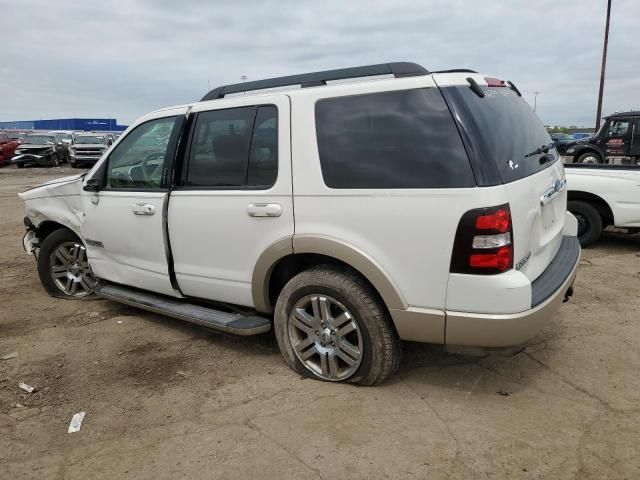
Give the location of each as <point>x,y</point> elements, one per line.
<point>63,267</point>
<point>350,339</point>
<point>589,221</point>
<point>590,158</point>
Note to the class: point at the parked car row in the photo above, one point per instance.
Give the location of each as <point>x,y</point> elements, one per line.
<point>50,149</point>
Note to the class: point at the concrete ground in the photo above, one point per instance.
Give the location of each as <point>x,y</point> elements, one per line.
<point>165,399</point>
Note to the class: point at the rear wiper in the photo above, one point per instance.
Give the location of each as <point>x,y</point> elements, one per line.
<point>543,149</point>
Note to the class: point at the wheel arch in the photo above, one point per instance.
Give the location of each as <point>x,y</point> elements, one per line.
<point>288,257</point>
<point>589,149</point>
<point>47,227</point>
<point>600,204</point>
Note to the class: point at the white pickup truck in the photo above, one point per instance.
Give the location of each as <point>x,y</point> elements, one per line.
<point>601,196</point>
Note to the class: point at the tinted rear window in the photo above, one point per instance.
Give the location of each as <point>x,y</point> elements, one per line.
<point>504,129</point>
<point>398,139</point>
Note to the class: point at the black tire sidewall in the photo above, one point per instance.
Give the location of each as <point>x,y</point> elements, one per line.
<point>591,216</point>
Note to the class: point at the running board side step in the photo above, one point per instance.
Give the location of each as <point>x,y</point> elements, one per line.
<point>172,307</point>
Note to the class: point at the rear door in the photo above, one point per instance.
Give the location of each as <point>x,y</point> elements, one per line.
<point>505,132</point>
<point>234,196</point>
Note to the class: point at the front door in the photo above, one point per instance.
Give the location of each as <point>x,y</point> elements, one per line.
<point>123,226</point>
<point>234,198</point>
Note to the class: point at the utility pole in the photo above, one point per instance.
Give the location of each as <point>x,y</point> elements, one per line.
<point>535,100</point>
<point>604,64</point>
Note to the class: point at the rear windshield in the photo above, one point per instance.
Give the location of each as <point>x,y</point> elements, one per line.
<point>38,140</point>
<point>504,128</point>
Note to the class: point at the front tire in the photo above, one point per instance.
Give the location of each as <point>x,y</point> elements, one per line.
<point>54,161</point>
<point>330,325</point>
<point>63,266</point>
<point>589,221</point>
<point>589,158</point>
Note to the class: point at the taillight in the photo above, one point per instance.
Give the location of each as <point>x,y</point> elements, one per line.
<point>483,243</point>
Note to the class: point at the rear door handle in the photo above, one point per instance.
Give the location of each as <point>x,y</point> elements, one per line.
<point>143,209</point>
<point>264,210</point>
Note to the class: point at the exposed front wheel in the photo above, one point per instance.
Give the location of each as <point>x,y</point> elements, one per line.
<point>330,325</point>
<point>589,221</point>
<point>590,158</point>
<point>54,161</point>
<point>63,266</point>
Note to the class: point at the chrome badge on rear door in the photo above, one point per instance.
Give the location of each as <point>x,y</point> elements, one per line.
<point>556,187</point>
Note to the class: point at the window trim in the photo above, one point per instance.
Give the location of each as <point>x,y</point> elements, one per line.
<point>169,158</point>
<point>180,184</point>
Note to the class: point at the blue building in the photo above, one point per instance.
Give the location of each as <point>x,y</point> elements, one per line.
<point>75,124</point>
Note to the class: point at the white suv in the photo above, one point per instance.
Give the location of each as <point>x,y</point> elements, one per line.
<point>349,209</point>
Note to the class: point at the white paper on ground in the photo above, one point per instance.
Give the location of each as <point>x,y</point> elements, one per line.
<point>26,388</point>
<point>76,422</point>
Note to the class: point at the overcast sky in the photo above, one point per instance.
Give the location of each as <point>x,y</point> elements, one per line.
<point>124,58</point>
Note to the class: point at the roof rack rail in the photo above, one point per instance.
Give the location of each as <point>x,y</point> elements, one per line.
<point>315,79</point>
<point>456,70</point>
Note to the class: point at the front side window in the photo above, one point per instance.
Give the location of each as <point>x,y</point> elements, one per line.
<point>234,148</point>
<point>618,128</point>
<point>138,161</point>
<point>397,139</point>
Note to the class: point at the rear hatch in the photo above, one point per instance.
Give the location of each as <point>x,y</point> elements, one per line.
<point>506,137</point>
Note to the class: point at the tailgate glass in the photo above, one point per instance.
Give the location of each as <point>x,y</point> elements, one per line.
<point>506,128</point>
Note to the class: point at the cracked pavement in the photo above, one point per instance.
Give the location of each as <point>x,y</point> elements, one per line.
<point>166,399</point>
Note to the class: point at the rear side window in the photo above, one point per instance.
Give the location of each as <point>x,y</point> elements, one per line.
<point>220,148</point>
<point>234,148</point>
<point>398,139</point>
<point>263,157</point>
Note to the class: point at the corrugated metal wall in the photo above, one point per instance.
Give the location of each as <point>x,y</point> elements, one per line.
<point>83,124</point>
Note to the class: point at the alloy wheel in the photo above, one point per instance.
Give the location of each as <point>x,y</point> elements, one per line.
<point>70,269</point>
<point>325,337</point>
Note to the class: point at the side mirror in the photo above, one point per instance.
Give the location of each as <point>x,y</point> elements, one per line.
<point>92,185</point>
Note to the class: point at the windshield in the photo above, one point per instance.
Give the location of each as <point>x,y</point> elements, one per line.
<point>38,140</point>
<point>562,136</point>
<point>504,130</point>
<point>90,140</point>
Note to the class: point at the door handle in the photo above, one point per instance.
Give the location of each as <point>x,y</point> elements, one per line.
<point>264,210</point>
<point>143,209</point>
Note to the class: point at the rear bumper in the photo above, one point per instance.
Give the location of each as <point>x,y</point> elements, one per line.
<point>498,330</point>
